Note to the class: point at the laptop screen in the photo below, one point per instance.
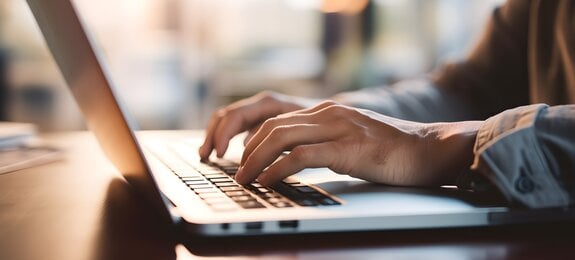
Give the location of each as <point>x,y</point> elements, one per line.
<point>88,80</point>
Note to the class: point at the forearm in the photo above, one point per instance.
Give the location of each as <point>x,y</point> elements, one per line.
<point>414,100</point>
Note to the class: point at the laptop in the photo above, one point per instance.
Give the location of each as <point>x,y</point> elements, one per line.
<point>202,198</point>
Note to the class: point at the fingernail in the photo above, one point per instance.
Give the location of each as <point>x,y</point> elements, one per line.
<point>239,172</point>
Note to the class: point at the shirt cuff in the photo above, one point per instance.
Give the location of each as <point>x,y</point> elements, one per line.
<point>508,153</point>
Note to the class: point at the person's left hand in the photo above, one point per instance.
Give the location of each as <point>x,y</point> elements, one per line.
<point>359,143</point>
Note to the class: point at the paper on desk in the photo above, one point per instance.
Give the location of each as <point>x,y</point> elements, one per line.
<point>17,151</point>
<point>26,157</point>
<point>15,134</point>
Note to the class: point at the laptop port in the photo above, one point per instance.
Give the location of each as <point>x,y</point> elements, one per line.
<point>289,224</point>
<point>254,225</point>
<point>225,226</point>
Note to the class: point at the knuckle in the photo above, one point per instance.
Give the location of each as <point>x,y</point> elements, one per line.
<point>346,114</point>
<point>300,154</point>
<point>221,112</point>
<point>233,113</point>
<point>325,104</point>
<point>346,111</point>
<point>266,96</point>
<point>269,124</point>
<point>336,109</point>
<point>328,103</point>
<point>277,133</point>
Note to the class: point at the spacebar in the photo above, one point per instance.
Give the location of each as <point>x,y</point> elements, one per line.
<point>302,199</point>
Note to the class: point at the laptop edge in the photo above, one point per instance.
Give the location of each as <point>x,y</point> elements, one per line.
<point>106,117</point>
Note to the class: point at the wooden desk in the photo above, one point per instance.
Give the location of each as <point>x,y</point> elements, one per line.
<point>80,208</point>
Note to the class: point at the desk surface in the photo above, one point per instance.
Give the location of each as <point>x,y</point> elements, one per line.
<point>80,208</point>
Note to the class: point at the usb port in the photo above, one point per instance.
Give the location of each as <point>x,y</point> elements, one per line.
<point>225,226</point>
<point>254,225</point>
<point>289,224</point>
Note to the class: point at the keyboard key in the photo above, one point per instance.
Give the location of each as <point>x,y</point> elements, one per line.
<point>293,185</point>
<point>226,184</point>
<point>218,176</point>
<point>275,200</point>
<point>237,193</point>
<point>306,202</point>
<point>288,191</point>
<point>243,198</point>
<point>252,204</point>
<point>233,188</point>
<point>230,170</point>
<point>211,172</point>
<point>218,180</point>
<point>198,187</point>
<point>305,189</point>
<point>211,190</point>
<point>290,181</point>
<point>328,202</point>
<point>187,173</point>
<point>194,178</point>
<point>262,190</point>
<point>282,205</point>
<point>270,195</point>
<point>202,182</point>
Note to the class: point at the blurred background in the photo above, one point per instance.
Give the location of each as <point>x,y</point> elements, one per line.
<point>175,61</point>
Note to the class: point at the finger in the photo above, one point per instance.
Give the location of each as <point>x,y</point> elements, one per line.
<point>251,133</point>
<point>229,126</point>
<point>305,116</point>
<point>305,156</point>
<point>267,127</point>
<point>319,107</point>
<point>239,117</point>
<point>207,147</point>
<point>279,140</point>
<point>255,129</point>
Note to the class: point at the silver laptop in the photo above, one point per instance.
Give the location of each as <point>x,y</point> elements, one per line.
<point>204,199</point>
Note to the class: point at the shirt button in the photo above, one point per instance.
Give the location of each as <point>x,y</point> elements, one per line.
<point>524,184</point>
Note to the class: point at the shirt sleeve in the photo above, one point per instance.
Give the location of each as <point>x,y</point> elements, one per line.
<point>529,154</point>
<point>491,79</point>
<point>415,100</point>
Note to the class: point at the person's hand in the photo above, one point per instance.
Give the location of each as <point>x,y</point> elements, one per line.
<point>246,114</point>
<point>359,143</point>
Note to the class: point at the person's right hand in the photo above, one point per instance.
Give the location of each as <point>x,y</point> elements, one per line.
<point>246,114</point>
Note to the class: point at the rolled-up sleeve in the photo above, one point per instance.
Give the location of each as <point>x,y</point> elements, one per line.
<point>528,153</point>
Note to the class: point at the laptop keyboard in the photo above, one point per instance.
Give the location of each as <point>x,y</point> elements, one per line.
<point>214,183</point>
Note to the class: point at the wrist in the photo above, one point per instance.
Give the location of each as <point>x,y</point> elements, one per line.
<point>452,151</point>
